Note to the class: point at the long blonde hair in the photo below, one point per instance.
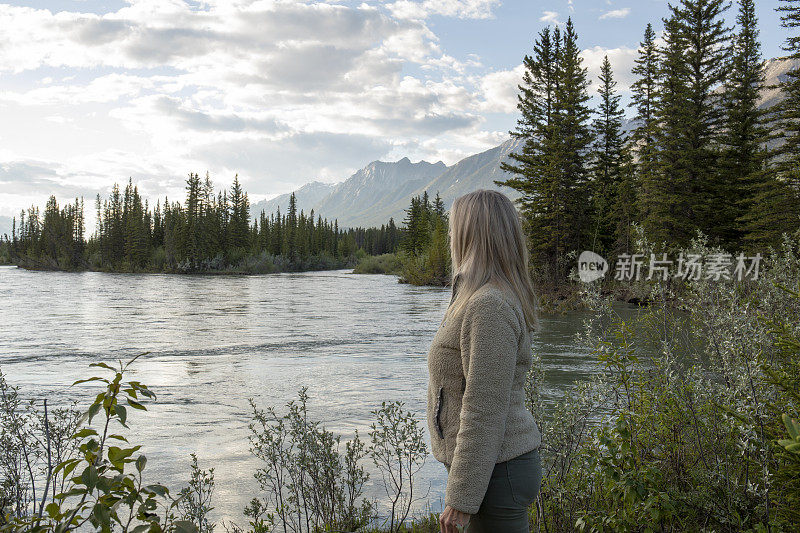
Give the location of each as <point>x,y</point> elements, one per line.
<point>488,245</point>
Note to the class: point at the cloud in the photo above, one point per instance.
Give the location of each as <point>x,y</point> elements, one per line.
<point>280,91</point>
<point>549,17</point>
<point>464,9</point>
<point>621,59</point>
<point>616,13</point>
<point>500,90</point>
<point>317,155</point>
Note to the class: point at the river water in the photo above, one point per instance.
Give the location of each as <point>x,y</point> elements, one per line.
<point>215,341</point>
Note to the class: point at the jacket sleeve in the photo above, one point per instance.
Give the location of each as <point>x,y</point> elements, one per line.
<point>489,342</point>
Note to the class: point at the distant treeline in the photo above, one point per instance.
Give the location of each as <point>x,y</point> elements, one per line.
<point>211,231</point>
<point>425,242</point>
<point>702,155</point>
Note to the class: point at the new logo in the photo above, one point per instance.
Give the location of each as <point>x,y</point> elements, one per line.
<point>591,266</point>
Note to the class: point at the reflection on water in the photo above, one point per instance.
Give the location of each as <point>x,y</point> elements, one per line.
<point>215,341</point>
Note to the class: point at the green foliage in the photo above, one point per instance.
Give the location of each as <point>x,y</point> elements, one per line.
<point>785,375</point>
<point>93,477</point>
<point>379,264</point>
<point>195,501</point>
<point>684,422</point>
<point>612,186</point>
<point>31,440</point>
<point>552,172</point>
<point>697,159</point>
<point>425,255</point>
<point>103,483</point>
<point>306,480</point>
<point>743,156</point>
<point>399,451</point>
<point>787,154</point>
<point>54,241</point>
<point>209,233</point>
<point>645,101</point>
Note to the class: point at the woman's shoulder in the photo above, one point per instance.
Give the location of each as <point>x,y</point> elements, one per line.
<point>494,299</point>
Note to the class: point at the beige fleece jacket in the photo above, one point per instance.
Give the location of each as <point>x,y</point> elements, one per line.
<point>477,365</point>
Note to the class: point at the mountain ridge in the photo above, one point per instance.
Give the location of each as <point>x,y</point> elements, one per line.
<point>382,190</point>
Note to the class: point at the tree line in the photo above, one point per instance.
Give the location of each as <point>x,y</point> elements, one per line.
<point>702,156</point>
<point>426,259</point>
<point>211,230</point>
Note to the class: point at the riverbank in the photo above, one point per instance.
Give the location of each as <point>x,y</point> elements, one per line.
<point>254,264</point>
<point>552,299</point>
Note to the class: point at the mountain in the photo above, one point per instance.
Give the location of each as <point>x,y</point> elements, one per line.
<point>383,190</point>
<point>307,197</point>
<point>471,173</point>
<point>366,197</point>
<point>775,71</point>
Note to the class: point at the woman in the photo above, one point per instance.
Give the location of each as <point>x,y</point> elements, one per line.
<point>478,361</point>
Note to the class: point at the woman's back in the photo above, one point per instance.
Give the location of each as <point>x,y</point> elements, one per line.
<point>477,363</point>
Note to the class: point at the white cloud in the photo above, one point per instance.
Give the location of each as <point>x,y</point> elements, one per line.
<point>465,9</point>
<point>621,59</point>
<point>616,13</point>
<point>279,91</point>
<point>549,17</point>
<point>500,90</point>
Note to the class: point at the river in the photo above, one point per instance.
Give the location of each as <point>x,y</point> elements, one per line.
<point>215,341</point>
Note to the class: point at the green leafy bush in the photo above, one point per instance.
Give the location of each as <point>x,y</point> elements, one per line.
<point>379,264</point>
<point>682,428</point>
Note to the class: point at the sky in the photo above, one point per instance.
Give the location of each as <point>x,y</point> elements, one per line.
<point>280,92</point>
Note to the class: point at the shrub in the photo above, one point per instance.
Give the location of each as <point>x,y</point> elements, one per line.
<point>195,501</point>
<point>399,451</point>
<point>681,427</point>
<point>106,489</point>
<point>379,264</point>
<point>305,479</point>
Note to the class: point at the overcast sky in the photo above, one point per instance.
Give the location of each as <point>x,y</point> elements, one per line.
<point>281,92</point>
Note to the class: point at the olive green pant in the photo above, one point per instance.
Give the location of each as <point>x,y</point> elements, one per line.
<point>513,487</point>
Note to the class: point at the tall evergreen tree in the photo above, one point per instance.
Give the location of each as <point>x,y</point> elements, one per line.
<point>239,225</point>
<point>780,201</point>
<point>192,228</point>
<point>136,234</point>
<point>291,228</point>
<point>688,190</point>
<point>744,137</point>
<point>553,166</point>
<point>610,166</point>
<point>645,99</point>
<point>535,103</point>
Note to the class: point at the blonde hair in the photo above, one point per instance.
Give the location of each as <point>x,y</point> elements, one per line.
<point>488,246</point>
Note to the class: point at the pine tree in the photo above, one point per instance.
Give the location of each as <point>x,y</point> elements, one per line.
<point>412,239</point>
<point>688,190</point>
<point>192,236</point>
<point>553,165</point>
<point>786,157</point>
<point>645,99</point>
<point>535,103</point>
<point>291,229</point>
<point>239,225</point>
<point>774,200</point>
<point>609,166</point>
<point>136,244</point>
<point>438,206</point>
<point>743,155</point>
<point>116,230</point>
